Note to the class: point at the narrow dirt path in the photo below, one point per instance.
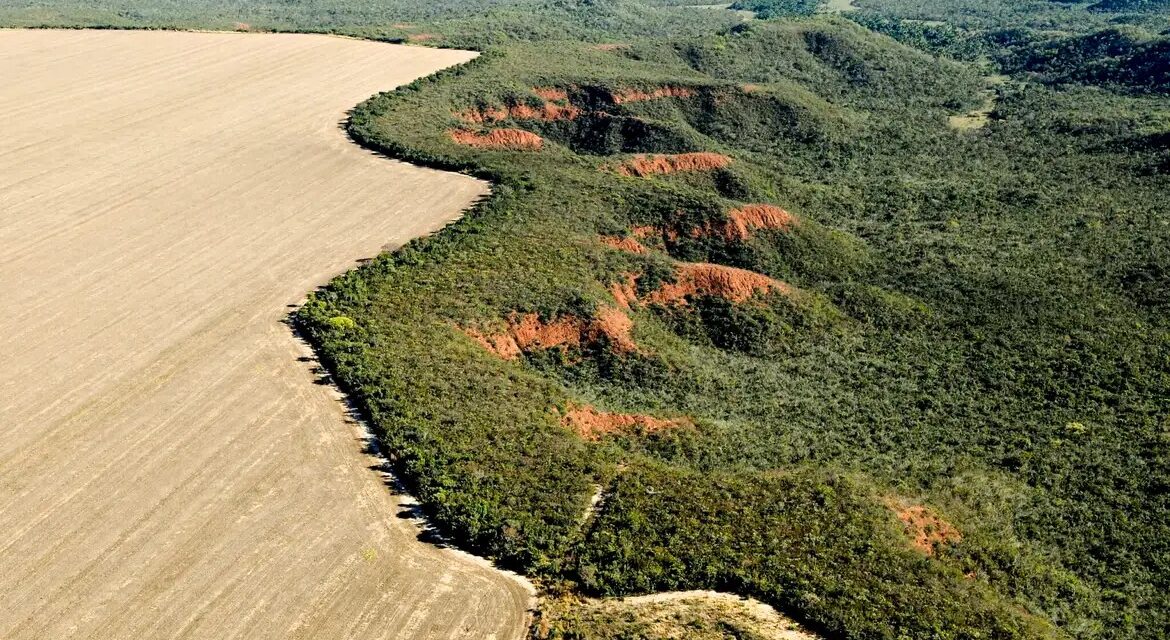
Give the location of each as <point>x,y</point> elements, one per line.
<point>168,468</point>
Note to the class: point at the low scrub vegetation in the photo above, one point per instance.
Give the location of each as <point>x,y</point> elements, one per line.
<point>857,337</point>
<point>816,346</point>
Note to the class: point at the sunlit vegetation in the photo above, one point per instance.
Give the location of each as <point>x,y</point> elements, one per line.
<point>966,329</point>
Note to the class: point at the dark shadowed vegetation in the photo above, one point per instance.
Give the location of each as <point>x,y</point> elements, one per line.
<point>815,314</point>
<point>965,325</point>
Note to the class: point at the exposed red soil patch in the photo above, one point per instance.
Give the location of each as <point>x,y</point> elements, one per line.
<point>552,94</point>
<point>591,424</point>
<point>481,116</point>
<point>742,222</point>
<point>421,37</point>
<point>549,111</point>
<point>643,232</point>
<point>626,96</point>
<point>647,165</point>
<point>527,332</point>
<point>503,344</point>
<point>925,528</point>
<point>616,327</point>
<point>530,332</point>
<point>751,88</point>
<point>242,26</point>
<point>729,283</point>
<point>628,243</point>
<point>625,291</point>
<point>498,139</point>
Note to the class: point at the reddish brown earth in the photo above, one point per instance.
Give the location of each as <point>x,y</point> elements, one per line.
<point>742,222</point>
<point>624,291</point>
<point>552,94</point>
<point>925,528</point>
<point>481,116</point>
<point>498,139</point>
<point>643,232</point>
<point>527,332</point>
<point>729,283</point>
<point>548,112</point>
<point>530,332</point>
<point>626,96</point>
<point>422,37</point>
<point>501,344</point>
<point>653,164</point>
<point>591,424</point>
<point>616,327</point>
<point>627,243</point>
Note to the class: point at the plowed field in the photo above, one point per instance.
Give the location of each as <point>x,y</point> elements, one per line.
<point>168,466</point>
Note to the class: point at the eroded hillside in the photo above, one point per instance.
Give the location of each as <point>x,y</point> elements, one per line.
<point>829,351</point>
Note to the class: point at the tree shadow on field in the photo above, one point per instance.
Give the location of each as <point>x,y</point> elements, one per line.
<point>382,462</point>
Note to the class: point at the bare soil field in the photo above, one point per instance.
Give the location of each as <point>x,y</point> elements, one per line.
<point>168,466</point>
<point>980,117</point>
<point>677,615</point>
<point>839,6</point>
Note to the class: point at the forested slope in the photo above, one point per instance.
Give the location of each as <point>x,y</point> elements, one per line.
<point>816,346</point>
<point>812,343</point>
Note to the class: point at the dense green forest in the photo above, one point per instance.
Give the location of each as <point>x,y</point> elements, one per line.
<point>814,341</point>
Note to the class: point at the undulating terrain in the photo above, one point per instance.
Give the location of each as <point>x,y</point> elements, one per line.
<point>859,310</point>
<point>816,333</point>
<point>168,466</point>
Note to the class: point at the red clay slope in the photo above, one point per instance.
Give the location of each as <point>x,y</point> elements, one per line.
<point>591,424</point>
<point>729,283</point>
<point>742,222</point>
<point>498,139</point>
<point>527,332</point>
<point>653,164</point>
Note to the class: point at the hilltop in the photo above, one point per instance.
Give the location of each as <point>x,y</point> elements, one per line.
<point>833,353</point>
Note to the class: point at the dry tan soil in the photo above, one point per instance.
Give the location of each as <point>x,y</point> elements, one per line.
<point>681,615</point>
<point>839,6</point>
<point>168,468</point>
<point>765,620</point>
